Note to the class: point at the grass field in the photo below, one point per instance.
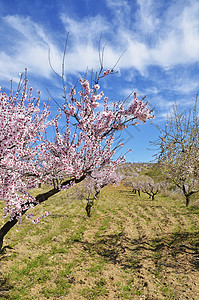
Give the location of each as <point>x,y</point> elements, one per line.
<point>130,248</point>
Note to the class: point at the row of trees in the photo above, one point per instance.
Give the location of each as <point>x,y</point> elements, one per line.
<point>177,149</point>
<point>145,184</point>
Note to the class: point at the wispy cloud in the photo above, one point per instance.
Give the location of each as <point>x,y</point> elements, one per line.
<point>147,20</point>
<point>86,30</point>
<point>120,12</point>
<point>178,43</point>
<point>30,49</point>
<point>161,38</point>
<point>83,49</point>
<point>162,35</point>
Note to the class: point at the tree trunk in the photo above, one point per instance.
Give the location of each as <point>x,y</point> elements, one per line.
<point>4,230</point>
<point>96,194</point>
<point>1,243</point>
<point>187,200</point>
<point>39,199</point>
<point>88,208</point>
<point>187,194</point>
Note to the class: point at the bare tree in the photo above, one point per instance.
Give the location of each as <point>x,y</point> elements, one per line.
<point>178,148</point>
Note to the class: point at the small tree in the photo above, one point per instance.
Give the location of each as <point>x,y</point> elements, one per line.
<point>151,188</point>
<point>133,182</point>
<point>178,148</point>
<point>91,187</point>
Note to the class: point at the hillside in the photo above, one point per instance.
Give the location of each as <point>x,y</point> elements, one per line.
<point>130,248</point>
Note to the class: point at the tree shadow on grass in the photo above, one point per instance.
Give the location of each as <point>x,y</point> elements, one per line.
<point>173,250</point>
<point>3,252</point>
<point>193,209</point>
<point>4,288</point>
<point>128,193</point>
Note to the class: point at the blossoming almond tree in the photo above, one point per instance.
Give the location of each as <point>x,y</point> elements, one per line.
<point>86,145</point>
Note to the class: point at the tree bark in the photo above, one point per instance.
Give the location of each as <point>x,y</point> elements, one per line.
<point>91,203</point>
<point>88,208</point>
<point>187,195</point>
<point>4,230</point>
<point>187,200</point>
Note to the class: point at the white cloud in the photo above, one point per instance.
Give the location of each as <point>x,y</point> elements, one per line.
<point>31,49</point>
<point>87,30</point>
<point>181,43</point>
<point>146,17</point>
<point>190,27</point>
<point>175,40</point>
<point>186,85</point>
<point>122,11</point>
<point>165,42</point>
<point>81,58</point>
<point>85,37</point>
<point>137,56</point>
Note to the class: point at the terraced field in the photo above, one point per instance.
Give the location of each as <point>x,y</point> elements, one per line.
<point>130,248</point>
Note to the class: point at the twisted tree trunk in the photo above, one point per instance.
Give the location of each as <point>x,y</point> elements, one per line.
<point>187,194</point>
<point>187,200</point>
<point>88,207</point>
<point>90,203</point>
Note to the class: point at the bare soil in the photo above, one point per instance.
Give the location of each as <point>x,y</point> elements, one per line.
<point>130,248</point>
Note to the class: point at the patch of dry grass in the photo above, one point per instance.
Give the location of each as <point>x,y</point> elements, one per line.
<point>130,248</point>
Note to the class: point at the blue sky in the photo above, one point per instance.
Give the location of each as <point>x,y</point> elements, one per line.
<point>161,60</point>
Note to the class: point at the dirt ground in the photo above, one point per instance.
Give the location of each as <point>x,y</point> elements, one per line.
<point>129,249</point>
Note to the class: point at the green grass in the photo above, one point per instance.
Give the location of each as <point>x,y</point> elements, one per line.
<point>130,247</point>
<point>98,289</point>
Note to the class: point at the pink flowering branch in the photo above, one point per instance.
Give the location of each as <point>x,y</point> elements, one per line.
<point>22,128</point>
<point>90,144</point>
